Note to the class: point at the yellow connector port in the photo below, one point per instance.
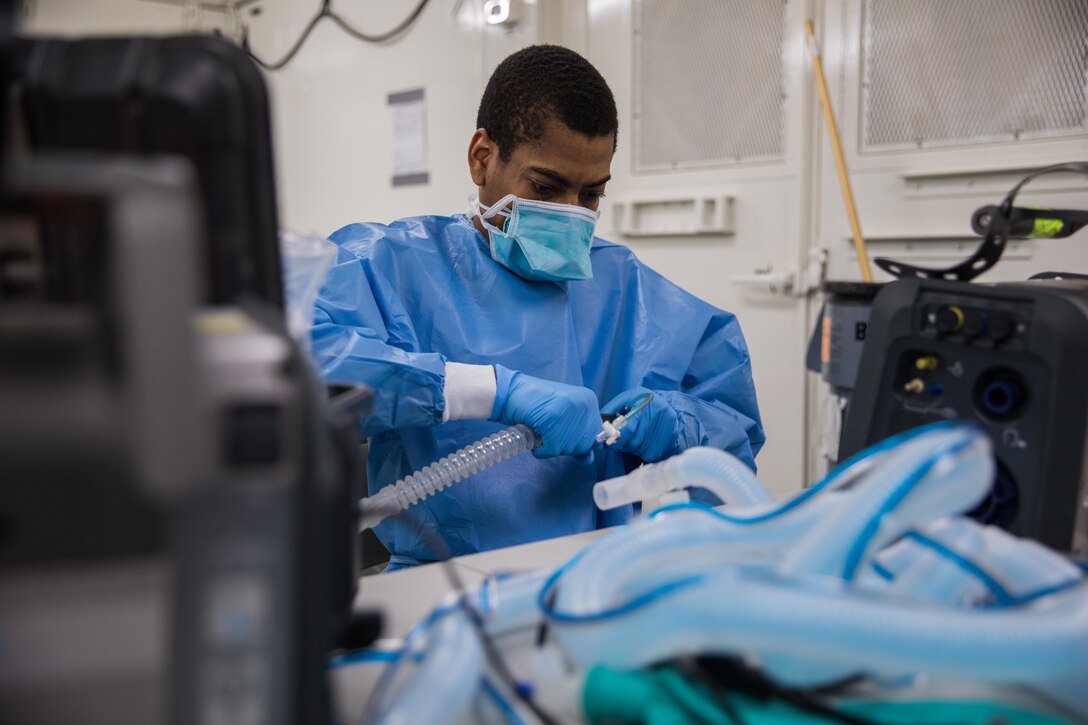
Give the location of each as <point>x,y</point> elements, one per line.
<point>914,386</point>
<point>927,362</point>
<point>949,319</point>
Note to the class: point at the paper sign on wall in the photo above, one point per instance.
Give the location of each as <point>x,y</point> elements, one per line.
<point>409,113</point>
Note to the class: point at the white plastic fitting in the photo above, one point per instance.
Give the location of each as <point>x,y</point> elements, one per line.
<point>721,473</point>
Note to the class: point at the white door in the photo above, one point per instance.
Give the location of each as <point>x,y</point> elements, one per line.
<point>710,176</point>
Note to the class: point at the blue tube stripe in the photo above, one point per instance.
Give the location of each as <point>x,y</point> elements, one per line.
<point>627,607</point>
<point>500,702</point>
<point>882,571</point>
<point>996,587</point>
<point>485,595</point>
<point>1004,597</point>
<point>857,551</point>
<point>366,656</point>
<point>1021,599</point>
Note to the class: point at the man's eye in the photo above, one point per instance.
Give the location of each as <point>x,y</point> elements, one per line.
<point>593,195</point>
<point>541,189</point>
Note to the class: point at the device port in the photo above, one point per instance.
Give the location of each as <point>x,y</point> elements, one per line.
<point>914,386</point>
<point>1001,505</point>
<point>1002,325</point>
<point>919,374</point>
<point>1000,394</point>
<point>927,362</point>
<point>949,319</point>
<point>974,323</point>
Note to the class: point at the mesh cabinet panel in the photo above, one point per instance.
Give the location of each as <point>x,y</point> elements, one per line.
<point>956,72</point>
<point>708,82</point>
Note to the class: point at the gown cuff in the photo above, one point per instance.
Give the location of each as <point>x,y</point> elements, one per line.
<point>469,391</point>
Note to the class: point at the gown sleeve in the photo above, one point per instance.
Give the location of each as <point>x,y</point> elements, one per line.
<point>701,367</point>
<point>362,334</point>
<point>716,404</point>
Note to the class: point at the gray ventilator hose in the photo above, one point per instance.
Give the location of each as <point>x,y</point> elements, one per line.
<point>442,474</point>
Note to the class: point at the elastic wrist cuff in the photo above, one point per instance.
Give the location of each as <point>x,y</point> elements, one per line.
<point>503,378</point>
<point>469,391</point>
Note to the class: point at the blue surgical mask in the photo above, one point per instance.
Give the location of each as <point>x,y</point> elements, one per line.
<point>539,240</point>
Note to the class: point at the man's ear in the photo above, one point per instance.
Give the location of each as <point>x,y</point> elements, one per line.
<point>481,151</point>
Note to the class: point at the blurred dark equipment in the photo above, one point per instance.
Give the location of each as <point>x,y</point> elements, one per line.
<point>194,96</point>
<point>1009,357</point>
<point>178,538</point>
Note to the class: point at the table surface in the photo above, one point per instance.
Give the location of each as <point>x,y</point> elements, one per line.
<point>406,596</point>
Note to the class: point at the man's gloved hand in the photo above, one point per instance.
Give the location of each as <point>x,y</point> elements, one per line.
<point>651,434</point>
<point>566,417</point>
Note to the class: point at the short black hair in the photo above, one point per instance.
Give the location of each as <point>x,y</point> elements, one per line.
<point>540,84</point>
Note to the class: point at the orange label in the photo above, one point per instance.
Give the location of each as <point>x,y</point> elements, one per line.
<point>825,340</point>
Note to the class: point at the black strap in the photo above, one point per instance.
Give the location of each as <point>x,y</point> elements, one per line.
<point>1033,223</point>
<point>996,236</point>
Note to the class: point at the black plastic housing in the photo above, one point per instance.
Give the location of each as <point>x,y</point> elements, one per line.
<point>1022,382</point>
<point>195,96</point>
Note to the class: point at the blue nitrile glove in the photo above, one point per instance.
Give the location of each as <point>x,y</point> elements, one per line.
<point>651,433</point>
<point>566,417</point>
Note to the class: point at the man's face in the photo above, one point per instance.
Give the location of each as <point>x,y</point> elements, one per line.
<point>563,166</point>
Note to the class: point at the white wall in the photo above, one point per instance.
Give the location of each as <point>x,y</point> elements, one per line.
<point>102,17</point>
<point>332,123</point>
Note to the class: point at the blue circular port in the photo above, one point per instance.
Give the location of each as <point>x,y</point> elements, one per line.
<point>1000,394</point>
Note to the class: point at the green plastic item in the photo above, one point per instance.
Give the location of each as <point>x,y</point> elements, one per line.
<point>1046,228</point>
<point>665,697</point>
<point>653,697</point>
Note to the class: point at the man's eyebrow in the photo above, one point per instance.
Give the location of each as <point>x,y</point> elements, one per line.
<point>553,175</point>
<point>562,180</point>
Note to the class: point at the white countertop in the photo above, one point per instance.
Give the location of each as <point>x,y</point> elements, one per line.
<point>406,596</point>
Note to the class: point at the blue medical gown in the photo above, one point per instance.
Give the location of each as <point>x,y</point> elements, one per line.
<point>404,298</point>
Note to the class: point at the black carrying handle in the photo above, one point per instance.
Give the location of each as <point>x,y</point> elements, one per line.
<point>996,236</point>
<point>1027,223</point>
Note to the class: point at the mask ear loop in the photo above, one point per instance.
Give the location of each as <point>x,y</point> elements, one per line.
<point>504,207</point>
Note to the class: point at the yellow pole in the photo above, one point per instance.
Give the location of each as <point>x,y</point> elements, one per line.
<point>840,158</point>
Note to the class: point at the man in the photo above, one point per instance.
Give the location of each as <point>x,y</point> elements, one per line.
<point>515,313</point>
